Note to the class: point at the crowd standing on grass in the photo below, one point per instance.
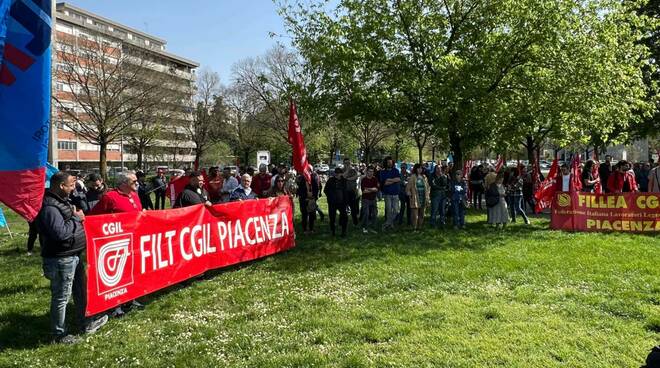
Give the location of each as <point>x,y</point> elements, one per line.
<point>352,193</point>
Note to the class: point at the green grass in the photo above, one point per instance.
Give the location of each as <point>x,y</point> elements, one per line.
<point>522,297</point>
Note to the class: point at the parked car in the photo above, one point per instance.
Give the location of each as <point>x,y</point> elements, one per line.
<point>115,170</point>
<point>321,168</point>
<point>232,169</point>
<point>175,172</point>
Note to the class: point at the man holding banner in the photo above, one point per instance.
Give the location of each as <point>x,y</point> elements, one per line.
<point>62,239</point>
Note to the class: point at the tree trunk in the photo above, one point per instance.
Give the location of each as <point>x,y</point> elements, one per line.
<point>367,154</point>
<point>420,148</point>
<point>529,145</point>
<point>246,156</point>
<point>138,164</point>
<point>198,157</point>
<point>103,160</point>
<point>457,151</point>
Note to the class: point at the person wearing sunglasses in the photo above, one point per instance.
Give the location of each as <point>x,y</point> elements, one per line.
<point>279,189</point>
<point>123,198</point>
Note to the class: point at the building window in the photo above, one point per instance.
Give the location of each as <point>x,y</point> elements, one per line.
<point>67,145</point>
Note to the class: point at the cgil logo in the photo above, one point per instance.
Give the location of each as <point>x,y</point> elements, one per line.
<point>114,263</point>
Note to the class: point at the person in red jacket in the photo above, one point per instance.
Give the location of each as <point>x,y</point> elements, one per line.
<point>622,179</point>
<point>261,183</point>
<point>123,198</point>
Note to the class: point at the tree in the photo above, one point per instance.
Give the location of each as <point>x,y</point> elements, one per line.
<point>111,86</point>
<point>208,113</point>
<point>461,64</point>
<point>270,80</point>
<point>242,130</point>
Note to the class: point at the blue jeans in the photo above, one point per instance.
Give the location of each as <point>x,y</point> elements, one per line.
<point>67,276</point>
<point>515,204</point>
<point>391,209</point>
<point>438,207</point>
<point>458,213</point>
<point>369,212</point>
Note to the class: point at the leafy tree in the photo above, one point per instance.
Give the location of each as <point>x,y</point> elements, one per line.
<point>208,114</point>
<point>110,87</point>
<point>469,69</point>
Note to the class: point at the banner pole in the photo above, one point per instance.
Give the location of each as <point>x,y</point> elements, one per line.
<point>9,230</point>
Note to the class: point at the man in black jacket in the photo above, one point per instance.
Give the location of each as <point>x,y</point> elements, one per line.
<point>85,201</point>
<point>160,188</point>
<point>143,191</point>
<point>337,196</point>
<point>62,239</point>
<point>194,193</point>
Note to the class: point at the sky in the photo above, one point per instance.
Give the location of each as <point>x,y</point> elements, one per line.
<point>215,33</point>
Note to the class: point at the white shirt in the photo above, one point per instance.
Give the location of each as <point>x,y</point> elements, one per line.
<point>565,183</point>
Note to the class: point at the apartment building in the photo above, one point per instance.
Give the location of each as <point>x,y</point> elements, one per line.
<point>76,26</point>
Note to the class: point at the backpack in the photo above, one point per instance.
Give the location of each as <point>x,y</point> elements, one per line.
<point>653,360</point>
<point>492,196</point>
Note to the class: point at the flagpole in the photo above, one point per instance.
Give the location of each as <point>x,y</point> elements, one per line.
<point>9,230</point>
<point>52,140</point>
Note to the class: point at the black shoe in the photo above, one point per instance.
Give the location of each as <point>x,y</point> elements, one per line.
<point>117,313</point>
<point>66,339</point>
<point>137,305</point>
<point>96,324</point>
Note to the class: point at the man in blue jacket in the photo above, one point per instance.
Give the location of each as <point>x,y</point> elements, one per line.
<point>390,183</point>
<point>244,191</point>
<point>62,239</point>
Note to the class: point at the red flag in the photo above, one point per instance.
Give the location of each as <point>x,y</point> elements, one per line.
<point>576,174</point>
<point>536,172</point>
<point>467,169</point>
<point>300,162</point>
<point>546,191</point>
<point>598,188</point>
<point>499,163</point>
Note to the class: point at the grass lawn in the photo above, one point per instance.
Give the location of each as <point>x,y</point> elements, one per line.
<point>522,297</point>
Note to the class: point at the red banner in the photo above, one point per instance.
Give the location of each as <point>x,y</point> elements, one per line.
<point>625,212</point>
<point>130,255</point>
<point>300,162</point>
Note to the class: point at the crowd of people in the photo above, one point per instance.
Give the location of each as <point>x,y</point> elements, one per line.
<point>351,191</point>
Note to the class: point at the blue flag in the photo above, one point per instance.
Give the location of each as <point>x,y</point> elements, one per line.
<point>25,31</point>
<point>3,220</point>
<point>50,170</point>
